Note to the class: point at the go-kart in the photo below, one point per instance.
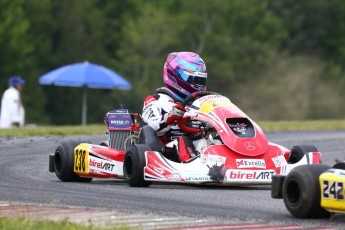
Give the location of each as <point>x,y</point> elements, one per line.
<point>312,191</point>
<point>232,150</point>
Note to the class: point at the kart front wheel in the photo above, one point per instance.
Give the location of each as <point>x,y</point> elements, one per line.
<point>133,166</point>
<point>298,152</point>
<point>339,165</point>
<point>64,163</point>
<point>301,192</point>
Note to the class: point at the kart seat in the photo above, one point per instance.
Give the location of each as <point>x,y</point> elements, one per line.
<point>148,136</point>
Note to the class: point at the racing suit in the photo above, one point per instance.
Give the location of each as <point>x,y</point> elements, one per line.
<point>156,111</point>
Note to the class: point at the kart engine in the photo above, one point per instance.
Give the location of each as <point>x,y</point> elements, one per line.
<point>122,128</point>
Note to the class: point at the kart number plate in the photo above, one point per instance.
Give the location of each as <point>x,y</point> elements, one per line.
<point>333,189</point>
<point>81,160</point>
<point>332,192</point>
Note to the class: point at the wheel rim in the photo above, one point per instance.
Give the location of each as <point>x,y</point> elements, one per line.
<point>293,193</point>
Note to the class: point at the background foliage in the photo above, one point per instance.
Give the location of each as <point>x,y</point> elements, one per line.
<point>277,60</point>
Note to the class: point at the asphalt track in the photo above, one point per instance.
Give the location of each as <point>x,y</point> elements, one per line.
<point>24,177</point>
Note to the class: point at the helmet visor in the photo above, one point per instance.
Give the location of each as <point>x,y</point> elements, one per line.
<point>197,79</point>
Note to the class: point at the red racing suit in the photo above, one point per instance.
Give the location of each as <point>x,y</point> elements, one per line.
<point>155,113</point>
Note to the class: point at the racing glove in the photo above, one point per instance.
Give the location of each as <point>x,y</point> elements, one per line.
<point>176,113</point>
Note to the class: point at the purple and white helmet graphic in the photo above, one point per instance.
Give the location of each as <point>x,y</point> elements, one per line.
<point>185,73</point>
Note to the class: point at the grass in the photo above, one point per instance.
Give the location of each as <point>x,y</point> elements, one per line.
<point>100,129</point>
<point>302,125</point>
<point>53,130</point>
<point>22,223</point>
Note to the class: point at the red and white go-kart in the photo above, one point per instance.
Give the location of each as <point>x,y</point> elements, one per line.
<point>233,150</point>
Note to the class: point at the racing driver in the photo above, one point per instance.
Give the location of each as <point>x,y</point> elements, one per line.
<point>183,74</point>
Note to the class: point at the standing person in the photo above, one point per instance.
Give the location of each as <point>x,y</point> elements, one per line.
<point>12,112</point>
<point>183,74</point>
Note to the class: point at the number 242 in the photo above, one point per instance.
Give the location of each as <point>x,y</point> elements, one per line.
<point>335,189</point>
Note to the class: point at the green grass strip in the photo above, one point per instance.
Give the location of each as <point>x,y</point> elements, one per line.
<point>302,125</point>
<point>100,129</point>
<point>22,223</point>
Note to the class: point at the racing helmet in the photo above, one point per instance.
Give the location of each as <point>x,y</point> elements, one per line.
<point>185,73</point>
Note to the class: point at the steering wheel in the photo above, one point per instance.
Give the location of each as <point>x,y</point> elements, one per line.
<point>196,95</point>
<point>182,122</point>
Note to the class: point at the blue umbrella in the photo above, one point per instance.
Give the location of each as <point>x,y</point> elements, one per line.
<point>85,75</point>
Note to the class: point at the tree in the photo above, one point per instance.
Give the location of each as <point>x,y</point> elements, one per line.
<point>241,41</point>
<point>14,44</point>
<point>76,37</point>
<point>142,52</point>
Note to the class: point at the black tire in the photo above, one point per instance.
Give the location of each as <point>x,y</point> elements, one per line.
<point>133,166</point>
<point>298,152</point>
<point>301,192</point>
<point>104,143</point>
<point>339,165</point>
<point>64,162</point>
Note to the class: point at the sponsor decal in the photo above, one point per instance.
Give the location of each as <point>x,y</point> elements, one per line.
<point>197,178</point>
<point>156,169</point>
<point>279,161</point>
<point>239,127</point>
<point>120,122</point>
<point>217,99</point>
<point>174,176</point>
<point>243,175</point>
<point>251,163</point>
<point>249,145</point>
<point>212,159</point>
<point>101,165</point>
<point>119,111</point>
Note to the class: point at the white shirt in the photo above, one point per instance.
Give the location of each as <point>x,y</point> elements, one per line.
<point>12,110</point>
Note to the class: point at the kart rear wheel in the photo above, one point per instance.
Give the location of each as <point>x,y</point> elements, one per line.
<point>301,192</point>
<point>298,152</point>
<point>64,162</point>
<point>104,143</point>
<point>133,166</point>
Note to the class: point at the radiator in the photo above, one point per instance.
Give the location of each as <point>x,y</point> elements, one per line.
<point>120,139</point>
